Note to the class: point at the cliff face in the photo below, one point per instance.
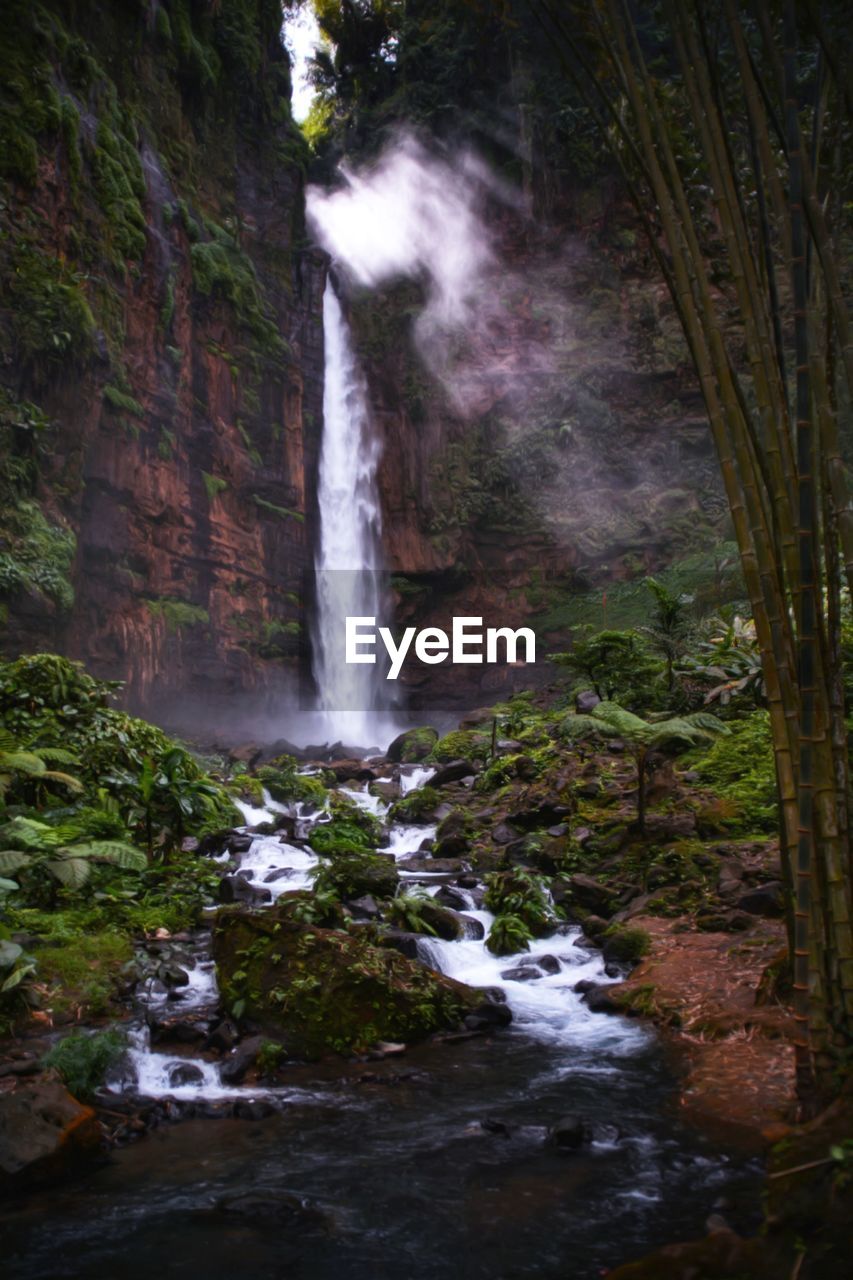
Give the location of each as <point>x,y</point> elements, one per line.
<point>162,347</point>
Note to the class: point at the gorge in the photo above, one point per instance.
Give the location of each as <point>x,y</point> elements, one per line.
<point>427,650</point>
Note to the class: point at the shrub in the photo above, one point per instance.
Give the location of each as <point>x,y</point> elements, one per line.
<point>518,894</point>
<point>741,768</point>
<point>339,837</point>
<point>84,1060</point>
<point>508,934</point>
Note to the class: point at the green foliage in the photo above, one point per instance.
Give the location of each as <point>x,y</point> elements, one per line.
<point>178,614</point>
<point>508,934</point>
<point>407,911</point>
<point>608,719</point>
<point>340,836</point>
<point>16,967</point>
<point>729,661</point>
<point>285,784</point>
<point>418,806</point>
<point>614,663</point>
<point>122,401</point>
<point>133,773</point>
<point>670,628</point>
<point>31,848</point>
<point>83,1060</point>
<point>740,767</point>
<point>520,895</point>
<point>38,554</point>
<point>357,871</point>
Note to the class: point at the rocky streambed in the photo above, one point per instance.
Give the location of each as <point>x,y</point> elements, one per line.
<point>482,1121</point>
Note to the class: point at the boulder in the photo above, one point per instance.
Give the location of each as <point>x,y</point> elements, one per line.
<point>234,1067</point>
<point>453,771</point>
<point>172,975</point>
<point>591,895</point>
<point>569,1134</point>
<point>523,973</point>
<point>764,900</point>
<point>413,745</point>
<point>45,1133</point>
<point>585,701</point>
<point>600,1000</point>
<point>351,771</point>
<point>448,897</point>
<point>365,907</point>
<point>239,889</point>
<point>386,789</point>
<point>184,1073</point>
<point>489,1016</point>
<point>549,964</point>
<point>224,1036</point>
<point>247,753</point>
<point>319,990</point>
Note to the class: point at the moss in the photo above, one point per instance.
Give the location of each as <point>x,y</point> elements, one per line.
<point>177,614</point>
<point>340,836</point>
<point>222,270</point>
<point>83,975</point>
<point>413,745</point>
<point>122,401</point>
<point>285,784</point>
<point>52,321</point>
<point>320,990</point>
<point>119,185</point>
<point>461,744</point>
<point>418,806</point>
<point>213,485</point>
<point>625,944</point>
<point>284,513</point>
<point>356,871</point>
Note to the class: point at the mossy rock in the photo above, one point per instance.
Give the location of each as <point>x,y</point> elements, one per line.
<point>289,787</point>
<point>413,745</point>
<point>323,990</point>
<point>340,836</point>
<point>352,874</point>
<point>417,806</point>
<point>461,744</point>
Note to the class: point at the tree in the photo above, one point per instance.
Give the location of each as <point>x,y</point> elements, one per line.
<point>669,628</point>
<point>730,123</point>
<point>640,736</point>
<point>616,663</point>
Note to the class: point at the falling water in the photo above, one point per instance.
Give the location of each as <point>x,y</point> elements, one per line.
<point>349,555</point>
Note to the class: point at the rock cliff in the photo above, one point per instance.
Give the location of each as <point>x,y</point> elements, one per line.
<point>162,346</point>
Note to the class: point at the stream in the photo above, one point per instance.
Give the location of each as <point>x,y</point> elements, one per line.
<point>431,1163</point>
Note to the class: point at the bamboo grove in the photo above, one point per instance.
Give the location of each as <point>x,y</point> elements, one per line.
<point>730,123</point>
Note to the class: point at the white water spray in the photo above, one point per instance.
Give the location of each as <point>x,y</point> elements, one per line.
<point>350,580</point>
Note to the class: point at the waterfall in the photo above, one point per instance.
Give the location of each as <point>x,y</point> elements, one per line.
<point>348,561</point>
